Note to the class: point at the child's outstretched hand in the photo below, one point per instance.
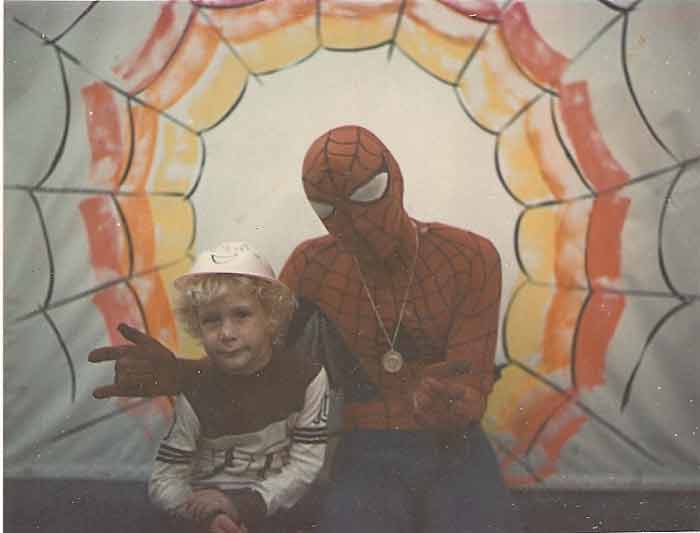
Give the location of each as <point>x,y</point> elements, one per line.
<point>223,524</point>
<point>144,368</point>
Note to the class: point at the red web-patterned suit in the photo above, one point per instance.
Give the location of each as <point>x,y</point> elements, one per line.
<point>356,187</point>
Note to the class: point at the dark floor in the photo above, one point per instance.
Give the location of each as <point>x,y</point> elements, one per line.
<point>120,507</point>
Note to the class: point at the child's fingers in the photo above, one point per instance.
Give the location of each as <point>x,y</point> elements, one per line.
<point>239,528</point>
<point>191,510</point>
<point>223,524</point>
<point>196,509</point>
<point>202,510</point>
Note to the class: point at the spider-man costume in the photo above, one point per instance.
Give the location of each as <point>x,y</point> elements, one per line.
<point>451,313</point>
<point>388,474</point>
<point>429,292</point>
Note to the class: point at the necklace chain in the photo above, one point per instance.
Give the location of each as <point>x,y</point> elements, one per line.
<point>391,341</point>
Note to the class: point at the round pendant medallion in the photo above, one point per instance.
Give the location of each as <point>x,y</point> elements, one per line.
<point>392,361</point>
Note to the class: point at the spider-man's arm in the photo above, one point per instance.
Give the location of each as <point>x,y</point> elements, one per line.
<point>453,393</point>
<point>293,269</point>
<point>145,368</point>
<point>315,333</point>
<point>301,272</point>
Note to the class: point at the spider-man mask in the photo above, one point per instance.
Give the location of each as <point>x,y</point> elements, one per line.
<point>355,186</point>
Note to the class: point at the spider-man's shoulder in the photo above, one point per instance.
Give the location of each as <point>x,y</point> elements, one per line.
<point>312,250</point>
<point>308,264</point>
<point>457,242</point>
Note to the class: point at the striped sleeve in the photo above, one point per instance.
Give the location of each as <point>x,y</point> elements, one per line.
<point>169,485</point>
<point>307,451</point>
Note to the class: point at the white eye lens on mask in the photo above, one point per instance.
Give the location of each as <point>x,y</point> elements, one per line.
<point>372,190</point>
<point>323,210</point>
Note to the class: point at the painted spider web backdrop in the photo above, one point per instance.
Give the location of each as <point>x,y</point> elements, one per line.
<point>593,118</point>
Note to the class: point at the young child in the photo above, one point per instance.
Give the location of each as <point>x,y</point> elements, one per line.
<point>249,437</point>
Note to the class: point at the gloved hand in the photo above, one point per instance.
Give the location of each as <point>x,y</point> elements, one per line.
<point>443,401</point>
<point>145,368</point>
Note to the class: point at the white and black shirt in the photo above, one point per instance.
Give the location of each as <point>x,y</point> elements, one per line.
<point>263,435</point>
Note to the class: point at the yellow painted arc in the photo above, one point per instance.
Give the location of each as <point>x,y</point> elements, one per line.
<point>173,225</point>
<point>520,166</point>
<point>216,91</point>
<point>178,159</point>
<point>441,56</point>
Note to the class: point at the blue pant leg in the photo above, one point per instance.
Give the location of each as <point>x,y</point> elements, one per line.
<point>367,504</point>
<point>163,521</point>
<point>366,494</point>
<point>304,516</point>
<point>470,496</point>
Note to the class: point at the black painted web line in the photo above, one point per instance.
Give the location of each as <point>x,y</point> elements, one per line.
<point>592,414</point>
<point>95,421</point>
<point>564,393</point>
<point>633,375</point>
<point>66,122</point>
<point>74,23</point>
<point>395,32</point>
<point>93,290</point>
<point>109,84</point>
<point>633,94</point>
<point>66,353</point>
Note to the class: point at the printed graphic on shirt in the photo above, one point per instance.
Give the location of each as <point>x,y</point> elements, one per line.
<point>172,455</point>
<point>279,461</point>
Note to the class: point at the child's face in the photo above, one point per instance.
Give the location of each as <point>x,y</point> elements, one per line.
<point>235,332</point>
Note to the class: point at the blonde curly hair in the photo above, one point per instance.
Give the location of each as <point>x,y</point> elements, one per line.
<point>276,299</point>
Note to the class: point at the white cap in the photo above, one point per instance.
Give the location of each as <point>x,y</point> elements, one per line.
<point>237,258</point>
